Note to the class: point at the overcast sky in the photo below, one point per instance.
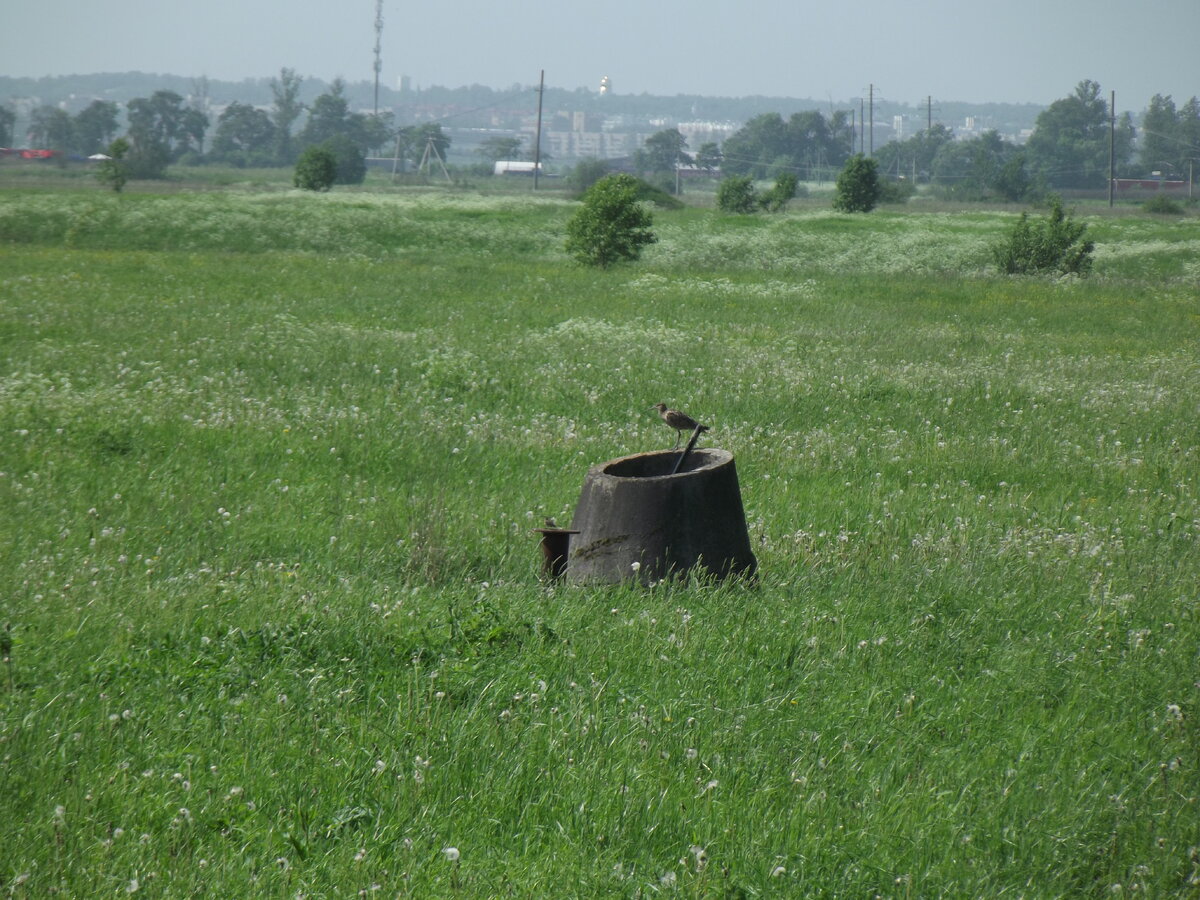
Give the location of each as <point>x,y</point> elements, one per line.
<point>999,50</point>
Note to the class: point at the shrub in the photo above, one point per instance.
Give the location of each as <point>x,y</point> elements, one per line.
<point>736,194</point>
<point>316,169</point>
<point>351,161</point>
<point>896,190</point>
<point>111,172</point>
<point>858,188</point>
<point>1052,244</point>
<point>1162,205</point>
<point>612,225</point>
<point>781,192</point>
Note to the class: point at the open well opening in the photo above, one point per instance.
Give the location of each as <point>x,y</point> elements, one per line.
<point>654,465</point>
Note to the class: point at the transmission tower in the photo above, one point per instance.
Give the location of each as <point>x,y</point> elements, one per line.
<point>378,43</point>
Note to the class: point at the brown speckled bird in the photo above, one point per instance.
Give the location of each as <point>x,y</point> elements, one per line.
<point>680,421</point>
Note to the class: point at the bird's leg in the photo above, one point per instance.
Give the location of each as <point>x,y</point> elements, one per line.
<point>678,435</point>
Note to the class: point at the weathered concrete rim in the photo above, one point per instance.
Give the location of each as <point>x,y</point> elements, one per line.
<point>658,465</point>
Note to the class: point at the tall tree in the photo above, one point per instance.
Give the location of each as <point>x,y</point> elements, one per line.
<point>193,124</point>
<point>753,148</point>
<point>708,156</point>
<point>415,139</point>
<point>245,136</point>
<point>1160,126</point>
<point>662,152</point>
<point>807,142</point>
<point>287,109</point>
<point>329,116</point>
<point>155,124</point>
<point>157,119</point>
<point>915,154</point>
<point>1069,147</point>
<point>1188,132</point>
<point>95,126</point>
<point>981,167</point>
<point>51,128</point>
<point>8,120</point>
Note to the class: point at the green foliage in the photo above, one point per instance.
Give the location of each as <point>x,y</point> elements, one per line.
<point>8,120</point>
<point>111,172</point>
<point>612,225</point>
<point>1069,147</point>
<point>780,193</point>
<point>351,165</point>
<point>245,136</point>
<point>736,194</point>
<point>858,188</point>
<point>586,173</point>
<point>982,168</point>
<point>94,126</point>
<point>1054,244</point>
<point>1169,138</point>
<point>161,128</point>
<point>286,110</point>
<point>497,148</point>
<point>422,143</point>
<point>1162,205</point>
<point>51,128</point>
<point>316,169</point>
<point>896,190</point>
<point>914,156</point>
<point>806,142</point>
<point>147,159</point>
<point>662,152</point>
<point>709,156</point>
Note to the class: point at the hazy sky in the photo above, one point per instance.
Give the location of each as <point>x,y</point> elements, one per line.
<point>999,50</point>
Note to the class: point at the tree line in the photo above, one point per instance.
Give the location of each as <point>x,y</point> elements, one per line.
<point>163,128</point>
<point>1069,148</point>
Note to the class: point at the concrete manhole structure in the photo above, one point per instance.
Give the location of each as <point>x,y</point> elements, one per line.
<point>637,520</point>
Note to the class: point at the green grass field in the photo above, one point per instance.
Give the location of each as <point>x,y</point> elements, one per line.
<point>269,469</point>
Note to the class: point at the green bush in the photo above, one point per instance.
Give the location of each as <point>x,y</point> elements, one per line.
<point>351,161</point>
<point>111,172</point>
<point>612,225</point>
<point>896,190</point>
<point>316,169</point>
<point>1052,244</point>
<point>858,188</point>
<point>736,194</point>
<point>1162,205</point>
<point>781,192</point>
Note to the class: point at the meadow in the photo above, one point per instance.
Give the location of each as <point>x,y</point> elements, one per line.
<point>269,468</point>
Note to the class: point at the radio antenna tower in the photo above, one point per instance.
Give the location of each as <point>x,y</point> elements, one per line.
<point>378,41</point>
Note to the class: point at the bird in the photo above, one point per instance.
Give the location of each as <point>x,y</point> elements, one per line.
<point>680,421</point>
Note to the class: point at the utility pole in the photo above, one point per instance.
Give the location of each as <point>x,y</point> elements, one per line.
<point>862,127</point>
<point>537,135</point>
<point>871,121</point>
<point>1112,132</point>
<point>929,114</point>
<point>378,42</point>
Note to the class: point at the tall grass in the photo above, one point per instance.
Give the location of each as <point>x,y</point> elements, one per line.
<point>269,471</point>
